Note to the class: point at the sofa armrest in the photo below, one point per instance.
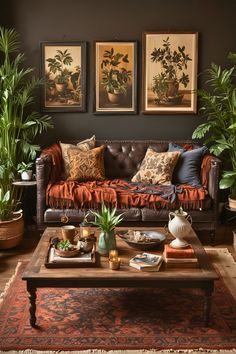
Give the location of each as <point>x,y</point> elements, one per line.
<point>43,172</point>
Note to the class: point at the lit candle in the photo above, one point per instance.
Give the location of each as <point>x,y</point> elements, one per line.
<point>85,232</point>
<point>114,263</point>
<point>113,255</point>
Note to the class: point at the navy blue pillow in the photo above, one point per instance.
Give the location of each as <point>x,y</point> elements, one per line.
<point>187,169</point>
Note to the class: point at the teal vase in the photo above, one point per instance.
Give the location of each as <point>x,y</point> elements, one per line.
<point>106,242</point>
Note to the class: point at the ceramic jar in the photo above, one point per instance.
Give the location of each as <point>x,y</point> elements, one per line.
<point>179,226</point>
<point>106,242</point>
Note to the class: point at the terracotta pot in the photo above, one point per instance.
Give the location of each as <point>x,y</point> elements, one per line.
<point>11,231</point>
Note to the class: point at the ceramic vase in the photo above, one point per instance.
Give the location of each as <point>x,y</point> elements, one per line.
<point>179,226</point>
<point>106,242</point>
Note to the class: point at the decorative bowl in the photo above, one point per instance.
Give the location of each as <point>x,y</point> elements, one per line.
<point>67,254</point>
<point>148,240</point>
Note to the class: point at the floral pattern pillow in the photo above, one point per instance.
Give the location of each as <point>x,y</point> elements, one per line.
<point>157,167</point>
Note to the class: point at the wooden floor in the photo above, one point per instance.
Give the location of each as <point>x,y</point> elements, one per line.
<point>9,258</point>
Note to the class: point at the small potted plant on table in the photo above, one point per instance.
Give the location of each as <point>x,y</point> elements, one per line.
<point>106,221</point>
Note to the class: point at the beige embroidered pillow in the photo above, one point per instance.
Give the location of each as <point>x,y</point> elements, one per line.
<point>87,165</point>
<point>84,145</point>
<point>157,167</point>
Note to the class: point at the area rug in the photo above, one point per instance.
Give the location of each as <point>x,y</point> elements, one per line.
<point>116,319</point>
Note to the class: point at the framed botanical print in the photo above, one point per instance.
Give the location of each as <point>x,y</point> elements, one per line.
<point>115,77</point>
<point>169,73</point>
<point>63,68</point>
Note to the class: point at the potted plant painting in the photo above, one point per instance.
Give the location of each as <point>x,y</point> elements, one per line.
<point>173,63</point>
<point>59,67</point>
<point>219,129</point>
<point>18,128</point>
<point>115,76</point>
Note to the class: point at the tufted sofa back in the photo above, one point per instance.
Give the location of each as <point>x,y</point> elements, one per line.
<point>123,158</point>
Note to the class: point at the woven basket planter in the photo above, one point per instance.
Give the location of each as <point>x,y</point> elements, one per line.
<point>11,231</point>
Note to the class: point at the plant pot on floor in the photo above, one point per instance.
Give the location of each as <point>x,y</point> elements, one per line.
<point>12,231</point>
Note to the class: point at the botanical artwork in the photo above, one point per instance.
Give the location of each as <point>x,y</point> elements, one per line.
<point>63,68</point>
<point>115,77</point>
<point>170,72</point>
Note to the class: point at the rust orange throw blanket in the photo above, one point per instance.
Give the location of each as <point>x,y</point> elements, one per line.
<point>120,193</point>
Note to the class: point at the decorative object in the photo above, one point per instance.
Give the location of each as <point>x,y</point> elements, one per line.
<point>63,68</point>
<point>130,316</point>
<point>84,229</point>
<point>86,165</point>
<point>157,167</point>
<point>218,107</point>
<point>25,170</point>
<point>179,226</point>
<point>12,231</point>
<point>68,232</point>
<point>170,72</point>
<point>106,221</point>
<point>114,260</point>
<point>84,145</point>
<point>115,77</point>
<point>188,167</point>
<point>18,124</point>
<point>142,240</point>
<point>66,249</point>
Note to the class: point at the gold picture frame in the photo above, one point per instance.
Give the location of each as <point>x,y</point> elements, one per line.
<point>169,72</point>
<point>115,77</point>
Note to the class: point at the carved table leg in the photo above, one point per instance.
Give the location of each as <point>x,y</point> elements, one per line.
<point>32,304</point>
<point>207,306</point>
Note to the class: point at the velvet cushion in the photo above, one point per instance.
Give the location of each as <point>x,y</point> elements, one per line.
<point>157,167</point>
<point>86,165</point>
<point>187,169</point>
<point>84,145</point>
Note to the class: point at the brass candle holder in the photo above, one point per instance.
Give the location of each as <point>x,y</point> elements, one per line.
<point>114,260</point>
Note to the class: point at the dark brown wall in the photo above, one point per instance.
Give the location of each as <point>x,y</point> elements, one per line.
<point>89,20</point>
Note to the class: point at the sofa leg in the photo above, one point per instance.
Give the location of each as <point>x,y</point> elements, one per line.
<point>212,237</point>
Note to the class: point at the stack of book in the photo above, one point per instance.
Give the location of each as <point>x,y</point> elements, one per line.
<point>180,257</point>
<point>147,262</point>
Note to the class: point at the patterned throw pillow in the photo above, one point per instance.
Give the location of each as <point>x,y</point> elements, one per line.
<point>87,165</point>
<point>84,145</point>
<point>157,167</point>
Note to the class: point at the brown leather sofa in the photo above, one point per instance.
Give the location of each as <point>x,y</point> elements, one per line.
<point>122,160</point>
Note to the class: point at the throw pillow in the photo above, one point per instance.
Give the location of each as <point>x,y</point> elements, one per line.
<point>157,167</point>
<point>84,145</point>
<point>187,170</point>
<point>87,165</point>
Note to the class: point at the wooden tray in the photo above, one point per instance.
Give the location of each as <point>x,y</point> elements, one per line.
<point>53,261</point>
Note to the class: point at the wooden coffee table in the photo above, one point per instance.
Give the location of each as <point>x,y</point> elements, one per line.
<point>37,275</point>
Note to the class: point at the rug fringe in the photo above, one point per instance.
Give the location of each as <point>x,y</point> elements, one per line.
<point>98,351</point>
<point>3,294</point>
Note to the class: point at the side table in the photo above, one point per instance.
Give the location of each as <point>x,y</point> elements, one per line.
<point>27,195</point>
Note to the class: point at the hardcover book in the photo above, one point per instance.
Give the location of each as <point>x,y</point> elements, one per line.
<point>146,262</point>
<point>171,252</point>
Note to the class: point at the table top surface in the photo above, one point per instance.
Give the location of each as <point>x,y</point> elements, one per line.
<point>102,275</point>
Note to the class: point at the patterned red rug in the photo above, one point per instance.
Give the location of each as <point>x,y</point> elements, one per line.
<point>72,319</point>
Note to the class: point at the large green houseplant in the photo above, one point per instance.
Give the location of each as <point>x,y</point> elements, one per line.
<point>219,109</point>
<point>173,62</point>
<point>18,124</point>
